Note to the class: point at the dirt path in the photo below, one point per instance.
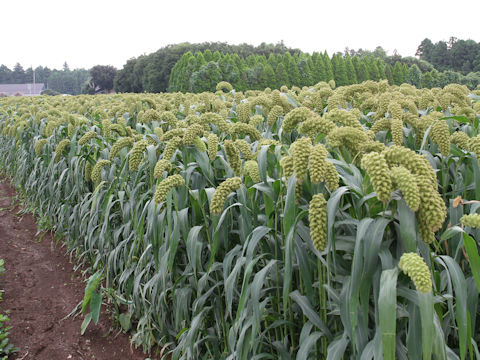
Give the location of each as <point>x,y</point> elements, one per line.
<point>40,289</point>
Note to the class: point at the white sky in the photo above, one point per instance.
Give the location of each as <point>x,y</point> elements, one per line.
<point>90,32</point>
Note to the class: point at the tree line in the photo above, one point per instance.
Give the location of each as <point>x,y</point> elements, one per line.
<point>198,67</point>
<point>74,82</point>
<point>151,73</point>
<point>455,55</point>
<point>203,70</point>
<point>64,81</point>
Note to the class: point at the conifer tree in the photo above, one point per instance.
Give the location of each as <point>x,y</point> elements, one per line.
<point>268,77</point>
<point>351,73</point>
<point>328,67</point>
<point>282,76</point>
<point>362,74</point>
<point>398,76</point>
<point>318,68</point>
<point>389,73</point>
<point>381,68</point>
<point>292,69</point>
<point>341,78</point>
<point>414,76</point>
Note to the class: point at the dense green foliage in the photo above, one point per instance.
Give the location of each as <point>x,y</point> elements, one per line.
<point>202,71</point>
<point>101,80</point>
<point>457,55</point>
<point>305,224</point>
<point>151,73</point>
<point>64,81</point>
<point>6,348</point>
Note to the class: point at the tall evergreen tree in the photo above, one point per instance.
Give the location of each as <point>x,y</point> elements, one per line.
<point>319,68</point>
<point>389,74</point>
<point>398,76</point>
<point>341,78</point>
<point>414,76</point>
<point>18,74</point>
<point>328,67</point>
<point>351,73</point>
<point>268,77</point>
<point>381,69</point>
<point>282,76</point>
<point>373,69</point>
<point>292,69</point>
<point>362,74</point>
<point>5,75</point>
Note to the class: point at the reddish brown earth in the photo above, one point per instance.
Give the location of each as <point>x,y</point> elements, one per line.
<point>41,288</point>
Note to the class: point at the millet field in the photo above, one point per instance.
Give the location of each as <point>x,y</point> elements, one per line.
<point>319,222</point>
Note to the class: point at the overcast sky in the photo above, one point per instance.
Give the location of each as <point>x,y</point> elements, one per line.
<point>90,32</point>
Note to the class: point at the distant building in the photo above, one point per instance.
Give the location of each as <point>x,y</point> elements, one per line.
<point>22,89</point>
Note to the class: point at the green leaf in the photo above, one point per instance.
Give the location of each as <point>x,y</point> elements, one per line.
<point>426,315</point>
<point>90,288</point>
<point>124,320</point>
<point>306,345</point>
<point>95,305</point>
<point>387,310</point>
<point>473,257</point>
<point>336,349</point>
<point>460,287</point>
<point>408,232</point>
<point>85,323</point>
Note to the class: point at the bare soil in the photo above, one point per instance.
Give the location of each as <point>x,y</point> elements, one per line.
<point>41,288</point>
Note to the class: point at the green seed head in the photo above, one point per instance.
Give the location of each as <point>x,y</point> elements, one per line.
<point>416,164</point>
<point>224,86</point>
<point>233,156</point>
<point>88,171</point>
<point>331,176</point>
<point>416,268</point>
<point>247,129</point>
<point>460,139</point>
<point>107,131</point>
<point>136,155</point>
<point>396,126</point>
<point>212,145</point>
<point>221,193</point>
<point>381,125</point>
<point>172,147</point>
<point>60,147</point>
<point>119,145</point>
<point>315,125</point>
<point>250,168</point>
<point>471,220</point>
<point>432,211</point>
<point>317,163</point>
<point>119,129</point>
<point>404,180</point>
<point>441,136</point>
<point>161,166</point>
<point>87,137</point>
<point>244,148</point>
<point>317,217</point>
<point>193,131</point>
<point>300,151</point>
<point>377,169</point>
<point>39,146</point>
<point>97,170</point>
<point>274,114</point>
<point>286,163</point>
<point>294,117</point>
<point>243,112</point>
<point>166,185</point>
